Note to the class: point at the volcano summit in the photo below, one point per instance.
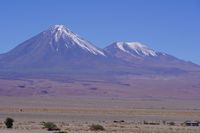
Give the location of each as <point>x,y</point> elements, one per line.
<point>59,54</point>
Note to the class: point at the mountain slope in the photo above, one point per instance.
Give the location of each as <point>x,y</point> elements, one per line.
<point>58,62</point>
<point>134,49</point>
<point>58,48</point>
<point>53,47</point>
<point>139,54</point>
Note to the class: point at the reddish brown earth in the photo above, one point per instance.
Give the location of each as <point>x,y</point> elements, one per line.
<point>167,87</point>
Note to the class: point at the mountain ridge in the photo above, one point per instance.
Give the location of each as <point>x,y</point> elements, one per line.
<point>58,62</point>
<point>59,46</point>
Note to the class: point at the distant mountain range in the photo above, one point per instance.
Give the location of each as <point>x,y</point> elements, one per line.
<point>60,47</point>
<point>57,53</point>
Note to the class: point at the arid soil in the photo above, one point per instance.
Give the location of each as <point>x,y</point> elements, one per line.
<point>154,87</point>
<point>76,114</point>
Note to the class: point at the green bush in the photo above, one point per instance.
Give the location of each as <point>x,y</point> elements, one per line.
<point>50,126</point>
<point>96,127</point>
<point>9,122</point>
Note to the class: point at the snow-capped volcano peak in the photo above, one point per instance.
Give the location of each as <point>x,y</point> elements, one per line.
<point>135,47</point>
<point>58,27</point>
<point>59,30</point>
<point>61,35</point>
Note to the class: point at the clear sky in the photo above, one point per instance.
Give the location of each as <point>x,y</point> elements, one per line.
<point>171,26</point>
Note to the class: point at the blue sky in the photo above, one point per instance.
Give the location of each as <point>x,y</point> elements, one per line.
<point>171,26</point>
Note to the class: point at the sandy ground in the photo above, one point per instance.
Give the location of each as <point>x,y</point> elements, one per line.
<point>109,128</point>
<point>76,114</point>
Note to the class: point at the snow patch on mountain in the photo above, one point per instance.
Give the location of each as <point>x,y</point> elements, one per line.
<point>137,47</point>
<point>120,46</point>
<point>60,32</point>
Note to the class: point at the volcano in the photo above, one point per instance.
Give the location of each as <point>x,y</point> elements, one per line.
<point>128,69</point>
<point>56,46</point>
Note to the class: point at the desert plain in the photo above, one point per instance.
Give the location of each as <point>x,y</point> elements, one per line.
<point>75,114</point>
<point>123,105</point>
